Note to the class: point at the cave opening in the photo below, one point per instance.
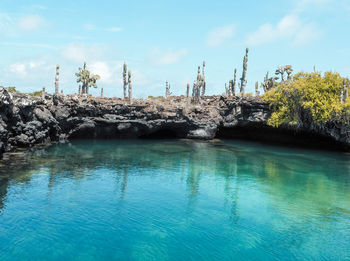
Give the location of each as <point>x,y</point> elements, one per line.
<point>278,136</point>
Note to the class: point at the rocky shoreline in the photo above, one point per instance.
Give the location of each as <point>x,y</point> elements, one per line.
<point>26,121</point>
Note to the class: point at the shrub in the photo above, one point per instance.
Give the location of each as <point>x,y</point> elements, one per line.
<point>309,95</point>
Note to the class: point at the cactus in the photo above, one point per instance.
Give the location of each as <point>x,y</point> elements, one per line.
<point>101,92</point>
<point>226,90</point>
<point>166,89</point>
<point>257,93</point>
<point>43,93</point>
<point>244,73</point>
<point>196,92</point>
<point>233,90</point>
<point>125,82</point>
<point>204,83</point>
<point>193,89</point>
<point>230,87</point>
<point>57,79</point>
<point>268,83</point>
<point>285,69</point>
<point>88,80</point>
<point>62,92</point>
<point>188,90</point>
<point>289,71</point>
<point>79,90</point>
<point>130,85</point>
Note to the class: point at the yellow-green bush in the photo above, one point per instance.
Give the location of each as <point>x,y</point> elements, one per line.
<point>309,94</point>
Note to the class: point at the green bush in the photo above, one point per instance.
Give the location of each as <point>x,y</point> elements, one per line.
<point>309,94</point>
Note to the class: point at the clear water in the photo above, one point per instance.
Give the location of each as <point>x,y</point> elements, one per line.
<point>175,200</point>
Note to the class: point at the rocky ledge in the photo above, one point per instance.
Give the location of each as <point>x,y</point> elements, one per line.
<point>27,121</point>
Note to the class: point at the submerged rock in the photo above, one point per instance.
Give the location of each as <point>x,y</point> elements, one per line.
<point>26,121</point>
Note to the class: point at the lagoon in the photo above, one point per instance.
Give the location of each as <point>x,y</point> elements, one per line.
<point>174,200</point>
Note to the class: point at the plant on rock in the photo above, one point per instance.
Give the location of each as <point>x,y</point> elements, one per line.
<point>86,79</point>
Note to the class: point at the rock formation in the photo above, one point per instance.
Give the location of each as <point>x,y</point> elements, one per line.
<point>26,121</point>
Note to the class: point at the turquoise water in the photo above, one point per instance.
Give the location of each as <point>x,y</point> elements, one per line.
<point>174,200</point>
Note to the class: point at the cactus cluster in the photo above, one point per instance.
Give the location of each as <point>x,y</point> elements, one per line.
<point>269,82</point>
<point>283,70</point>
<point>127,85</point>
<point>231,90</point>
<point>88,80</point>
<point>197,86</point>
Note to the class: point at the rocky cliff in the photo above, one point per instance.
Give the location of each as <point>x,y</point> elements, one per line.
<point>26,121</point>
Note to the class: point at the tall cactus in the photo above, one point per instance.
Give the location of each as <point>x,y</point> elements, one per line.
<point>43,93</point>
<point>204,83</point>
<point>125,82</point>
<point>257,93</point>
<point>130,85</point>
<point>233,91</point>
<point>57,79</point>
<point>230,88</point>
<point>244,73</point>
<point>79,89</point>
<point>101,92</point>
<point>166,89</point>
<point>226,90</point>
<point>188,90</point>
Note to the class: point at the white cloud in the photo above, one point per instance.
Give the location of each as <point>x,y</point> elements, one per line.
<point>220,34</point>
<point>18,68</point>
<point>31,22</point>
<point>109,72</point>
<point>22,69</point>
<point>114,29</point>
<point>159,57</point>
<point>306,35</point>
<point>289,27</point>
<point>80,53</point>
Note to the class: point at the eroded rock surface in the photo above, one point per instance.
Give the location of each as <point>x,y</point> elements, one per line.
<point>26,121</point>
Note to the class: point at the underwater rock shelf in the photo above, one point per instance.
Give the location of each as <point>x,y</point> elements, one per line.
<point>26,121</point>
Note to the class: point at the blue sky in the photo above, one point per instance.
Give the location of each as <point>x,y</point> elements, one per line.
<point>167,40</point>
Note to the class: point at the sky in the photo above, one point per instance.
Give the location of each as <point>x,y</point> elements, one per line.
<point>166,41</point>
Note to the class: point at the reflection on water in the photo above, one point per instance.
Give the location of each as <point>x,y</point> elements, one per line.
<point>174,200</point>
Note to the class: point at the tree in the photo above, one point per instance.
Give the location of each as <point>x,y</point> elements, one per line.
<point>87,80</point>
